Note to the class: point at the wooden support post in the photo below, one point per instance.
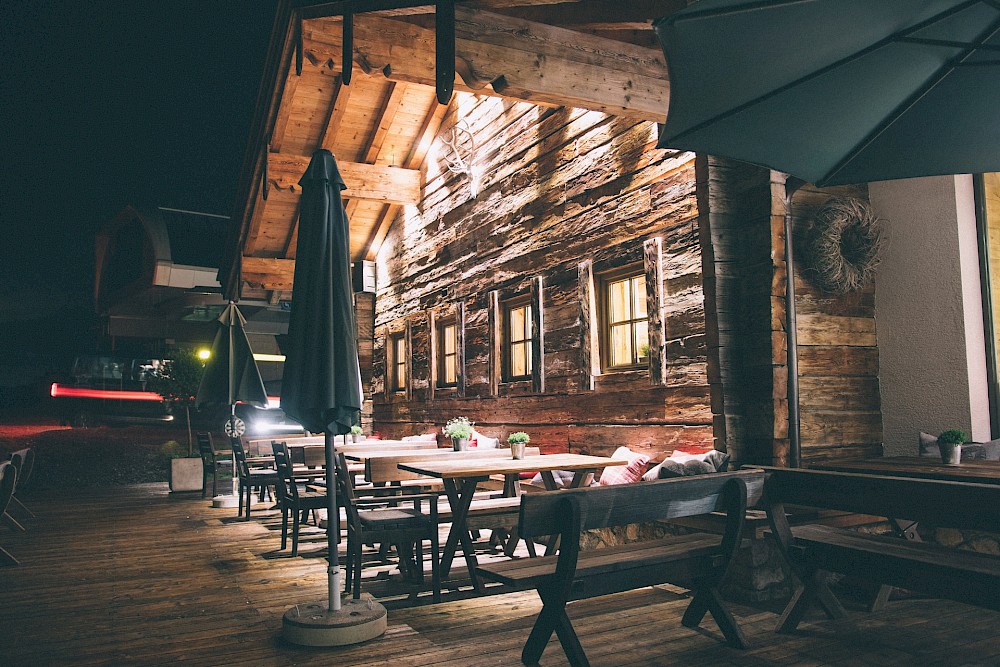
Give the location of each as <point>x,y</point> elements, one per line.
<point>589,350</point>
<point>653,266</point>
<point>537,336</point>
<point>494,356</point>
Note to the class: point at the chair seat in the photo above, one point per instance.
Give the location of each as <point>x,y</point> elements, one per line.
<point>388,519</point>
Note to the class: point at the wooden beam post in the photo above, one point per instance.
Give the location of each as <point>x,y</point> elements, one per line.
<point>652,257</point>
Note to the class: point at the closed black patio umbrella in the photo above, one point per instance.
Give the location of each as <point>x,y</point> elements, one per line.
<point>835,92</point>
<point>321,385</point>
<point>231,374</point>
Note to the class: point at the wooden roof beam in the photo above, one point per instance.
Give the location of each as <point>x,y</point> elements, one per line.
<point>269,273</point>
<point>522,59</point>
<point>392,185</point>
<point>598,14</point>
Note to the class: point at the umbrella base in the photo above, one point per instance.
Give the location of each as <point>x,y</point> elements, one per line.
<point>225,501</point>
<point>314,625</point>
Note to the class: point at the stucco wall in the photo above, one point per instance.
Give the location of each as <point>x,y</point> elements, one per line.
<point>929,312</point>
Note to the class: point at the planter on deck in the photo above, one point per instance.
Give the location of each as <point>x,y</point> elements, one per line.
<point>185,474</point>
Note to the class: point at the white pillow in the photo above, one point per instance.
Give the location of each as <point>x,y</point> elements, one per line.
<point>483,441</point>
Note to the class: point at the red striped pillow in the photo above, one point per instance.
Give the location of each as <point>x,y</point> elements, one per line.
<point>626,474</point>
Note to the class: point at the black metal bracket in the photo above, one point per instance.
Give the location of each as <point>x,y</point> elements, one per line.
<point>347,53</point>
<point>444,47</point>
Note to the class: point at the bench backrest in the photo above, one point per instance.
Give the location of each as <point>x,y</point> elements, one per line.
<point>951,504</point>
<point>641,502</point>
<point>386,468</point>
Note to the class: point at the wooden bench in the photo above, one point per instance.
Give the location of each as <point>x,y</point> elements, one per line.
<point>695,561</point>
<point>813,551</point>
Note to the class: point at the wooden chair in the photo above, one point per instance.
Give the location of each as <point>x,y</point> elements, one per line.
<point>8,477</point>
<point>293,501</point>
<point>211,463</point>
<point>249,479</point>
<point>395,525</point>
<point>23,461</point>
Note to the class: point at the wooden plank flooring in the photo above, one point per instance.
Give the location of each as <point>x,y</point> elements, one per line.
<point>133,576</point>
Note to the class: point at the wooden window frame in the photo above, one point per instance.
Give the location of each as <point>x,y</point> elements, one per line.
<point>393,362</point>
<point>507,343</point>
<point>605,280</point>
<point>441,357</point>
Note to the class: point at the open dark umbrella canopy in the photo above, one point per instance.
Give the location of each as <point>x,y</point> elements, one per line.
<point>231,374</point>
<point>321,384</point>
<point>837,91</point>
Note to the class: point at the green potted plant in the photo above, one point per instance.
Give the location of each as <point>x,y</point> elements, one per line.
<point>357,433</point>
<point>459,430</point>
<point>178,385</point>
<point>950,443</point>
<point>517,441</point>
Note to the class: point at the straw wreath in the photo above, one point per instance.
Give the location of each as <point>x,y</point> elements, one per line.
<point>842,246</point>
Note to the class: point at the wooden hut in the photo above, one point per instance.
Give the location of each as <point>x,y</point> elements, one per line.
<point>538,264</point>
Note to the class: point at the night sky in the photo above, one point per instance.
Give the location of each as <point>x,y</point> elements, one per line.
<point>104,105</point>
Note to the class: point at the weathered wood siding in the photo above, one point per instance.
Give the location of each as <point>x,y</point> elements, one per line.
<point>746,346</point>
<point>742,226</point>
<point>839,400</point>
<point>565,195</point>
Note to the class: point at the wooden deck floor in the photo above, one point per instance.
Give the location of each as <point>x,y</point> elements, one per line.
<point>134,576</point>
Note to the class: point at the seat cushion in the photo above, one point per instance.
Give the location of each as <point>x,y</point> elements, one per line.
<point>388,519</point>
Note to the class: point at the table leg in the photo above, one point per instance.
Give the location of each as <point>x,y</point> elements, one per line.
<point>460,500</point>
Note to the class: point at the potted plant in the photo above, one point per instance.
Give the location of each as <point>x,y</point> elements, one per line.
<point>357,433</point>
<point>517,442</point>
<point>950,443</point>
<point>178,385</point>
<point>459,430</point>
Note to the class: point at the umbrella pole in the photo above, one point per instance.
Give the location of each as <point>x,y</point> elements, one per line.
<point>792,184</point>
<point>332,523</point>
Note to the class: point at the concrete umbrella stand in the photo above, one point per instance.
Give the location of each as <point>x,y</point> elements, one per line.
<point>321,387</point>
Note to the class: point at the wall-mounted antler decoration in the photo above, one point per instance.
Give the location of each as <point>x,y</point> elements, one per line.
<point>463,155</point>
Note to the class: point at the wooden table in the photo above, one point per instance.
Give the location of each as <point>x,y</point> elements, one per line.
<point>981,472</point>
<point>461,477</point>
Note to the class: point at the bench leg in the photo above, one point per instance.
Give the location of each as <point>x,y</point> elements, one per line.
<point>11,522</point>
<point>707,599</point>
<point>881,598</point>
<point>551,618</point>
<point>814,589</point>
<point>7,559</point>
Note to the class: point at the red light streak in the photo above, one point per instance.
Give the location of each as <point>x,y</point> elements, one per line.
<point>59,391</point>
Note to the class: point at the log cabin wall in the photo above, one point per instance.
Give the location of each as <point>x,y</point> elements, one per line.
<point>742,225</point>
<point>565,195</point>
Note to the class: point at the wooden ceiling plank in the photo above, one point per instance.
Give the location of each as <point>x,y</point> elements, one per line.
<point>524,60</point>
<point>394,185</point>
<point>431,126</point>
<point>291,245</point>
<point>338,107</point>
<point>385,118</point>
<point>284,109</point>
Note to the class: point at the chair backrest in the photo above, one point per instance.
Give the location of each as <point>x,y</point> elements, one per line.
<point>285,485</point>
<point>8,478</point>
<point>242,469</point>
<point>24,463</point>
<point>206,448</point>
<point>345,486</point>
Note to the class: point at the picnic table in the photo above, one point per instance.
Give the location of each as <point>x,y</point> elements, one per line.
<point>460,477</point>
<point>980,472</point>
